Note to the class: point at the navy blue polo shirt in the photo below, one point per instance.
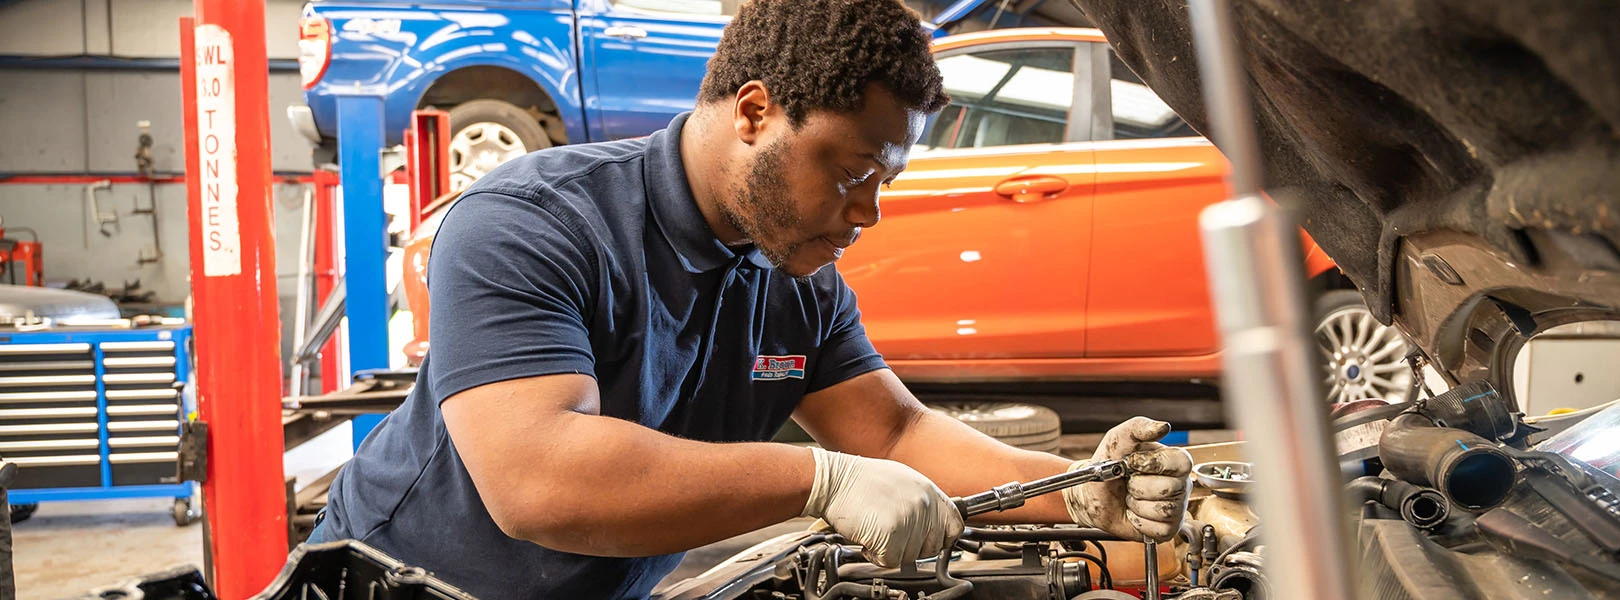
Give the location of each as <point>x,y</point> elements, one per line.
<point>589,259</point>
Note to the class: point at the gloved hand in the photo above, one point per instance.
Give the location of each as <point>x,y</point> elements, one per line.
<point>1151,501</point>
<point>895,513</point>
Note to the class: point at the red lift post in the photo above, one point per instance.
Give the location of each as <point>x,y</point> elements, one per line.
<point>325,182</point>
<point>427,163</point>
<point>225,81</point>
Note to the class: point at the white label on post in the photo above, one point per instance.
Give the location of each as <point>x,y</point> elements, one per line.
<point>216,145</point>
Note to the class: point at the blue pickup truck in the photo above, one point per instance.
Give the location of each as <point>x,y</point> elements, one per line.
<point>515,75</point>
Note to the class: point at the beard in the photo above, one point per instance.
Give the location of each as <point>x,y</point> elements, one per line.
<point>762,211</point>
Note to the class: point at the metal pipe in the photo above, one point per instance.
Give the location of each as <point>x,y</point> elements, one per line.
<point>1150,559</point>
<point>304,284</point>
<point>1253,256</point>
<point>1226,97</point>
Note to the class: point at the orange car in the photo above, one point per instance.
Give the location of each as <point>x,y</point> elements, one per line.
<point>1043,245</point>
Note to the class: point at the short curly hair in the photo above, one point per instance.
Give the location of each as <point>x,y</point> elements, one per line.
<point>821,54</point>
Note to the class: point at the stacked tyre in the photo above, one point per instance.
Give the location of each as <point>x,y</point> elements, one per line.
<point>1025,426</point>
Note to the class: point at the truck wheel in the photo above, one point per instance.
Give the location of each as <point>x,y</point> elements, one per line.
<point>486,133</point>
<point>1362,358</point>
<point>22,512</point>
<point>1024,426</point>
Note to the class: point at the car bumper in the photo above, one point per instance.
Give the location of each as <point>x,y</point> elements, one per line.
<point>303,121</point>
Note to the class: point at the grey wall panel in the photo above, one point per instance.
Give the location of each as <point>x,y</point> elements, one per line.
<point>137,28</point>
<point>42,124</point>
<point>147,27</point>
<point>97,27</point>
<point>289,150</point>
<point>60,215</point>
<point>281,27</point>
<point>118,101</point>
<point>44,120</point>
<point>43,27</point>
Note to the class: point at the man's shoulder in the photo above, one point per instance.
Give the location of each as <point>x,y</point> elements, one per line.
<point>573,172</point>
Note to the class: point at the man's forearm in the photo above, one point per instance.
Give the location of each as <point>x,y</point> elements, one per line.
<point>962,461</point>
<point>607,487</point>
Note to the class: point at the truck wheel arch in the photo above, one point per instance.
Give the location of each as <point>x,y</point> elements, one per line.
<point>481,82</point>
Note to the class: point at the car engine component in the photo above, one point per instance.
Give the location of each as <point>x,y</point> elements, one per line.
<point>1470,470</point>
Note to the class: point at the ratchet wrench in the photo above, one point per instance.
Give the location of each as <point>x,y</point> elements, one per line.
<point>1012,495</point>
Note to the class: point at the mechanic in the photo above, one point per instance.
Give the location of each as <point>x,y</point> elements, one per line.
<point>617,327</point>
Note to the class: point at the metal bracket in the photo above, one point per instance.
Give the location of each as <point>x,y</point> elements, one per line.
<point>93,210</point>
<point>194,451</point>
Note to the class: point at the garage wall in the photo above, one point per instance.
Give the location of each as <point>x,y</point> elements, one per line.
<point>82,121</point>
<point>128,28</point>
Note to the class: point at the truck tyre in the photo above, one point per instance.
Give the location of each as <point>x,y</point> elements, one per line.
<point>1024,426</point>
<point>486,133</point>
<point>1361,358</point>
<point>22,512</point>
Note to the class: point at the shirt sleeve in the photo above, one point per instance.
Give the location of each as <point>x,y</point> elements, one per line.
<point>845,352</point>
<point>509,291</point>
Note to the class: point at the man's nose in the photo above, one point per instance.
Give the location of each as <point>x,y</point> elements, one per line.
<point>863,210</point>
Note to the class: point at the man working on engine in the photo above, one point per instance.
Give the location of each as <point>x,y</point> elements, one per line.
<point>617,326</point>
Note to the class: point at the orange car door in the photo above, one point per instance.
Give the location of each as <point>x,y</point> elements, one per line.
<point>976,256</point>
<point>1149,293</point>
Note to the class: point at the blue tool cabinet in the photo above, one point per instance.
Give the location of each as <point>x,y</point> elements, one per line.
<point>92,414</point>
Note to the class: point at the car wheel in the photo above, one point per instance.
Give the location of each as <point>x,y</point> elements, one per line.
<point>1024,426</point>
<point>486,133</point>
<point>22,512</point>
<point>1362,358</point>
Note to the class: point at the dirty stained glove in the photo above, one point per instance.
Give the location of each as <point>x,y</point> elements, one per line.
<point>1152,500</point>
<point>895,513</point>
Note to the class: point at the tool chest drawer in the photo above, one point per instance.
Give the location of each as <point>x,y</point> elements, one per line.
<point>88,409</point>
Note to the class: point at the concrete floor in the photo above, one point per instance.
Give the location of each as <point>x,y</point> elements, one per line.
<point>69,548</point>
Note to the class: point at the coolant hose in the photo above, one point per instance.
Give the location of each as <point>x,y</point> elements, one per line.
<point>1469,470</point>
<point>954,588</point>
<point>1424,508</point>
<point>850,589</point>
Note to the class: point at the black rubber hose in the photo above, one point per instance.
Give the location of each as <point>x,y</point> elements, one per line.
<point>847,589</point>
<point>1469,470</point>
<point>953,588</point>
<point>1248,540</point>
<point>1422,507</point>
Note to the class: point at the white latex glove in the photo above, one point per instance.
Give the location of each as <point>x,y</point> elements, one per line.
<point>895,513</point>
<point>1152,500</point>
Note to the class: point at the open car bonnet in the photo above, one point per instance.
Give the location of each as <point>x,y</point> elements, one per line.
<point>1460,160</point>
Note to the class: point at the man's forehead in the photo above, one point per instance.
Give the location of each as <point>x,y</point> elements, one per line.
<point>884,136</point>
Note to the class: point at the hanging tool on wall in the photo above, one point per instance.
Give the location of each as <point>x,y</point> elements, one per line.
<point>143,165</point>
<point>92,208</point>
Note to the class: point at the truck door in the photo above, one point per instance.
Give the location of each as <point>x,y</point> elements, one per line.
<point>644,60</point>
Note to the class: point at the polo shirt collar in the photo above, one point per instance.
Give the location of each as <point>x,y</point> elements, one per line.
<point>675,209</point>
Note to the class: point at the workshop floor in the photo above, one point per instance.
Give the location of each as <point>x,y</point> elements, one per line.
<point>69,548</point>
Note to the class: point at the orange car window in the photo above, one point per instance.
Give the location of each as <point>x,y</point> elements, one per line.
<point>1005,98</point>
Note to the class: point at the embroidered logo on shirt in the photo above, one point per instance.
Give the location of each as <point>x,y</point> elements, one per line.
<point>772,368</point>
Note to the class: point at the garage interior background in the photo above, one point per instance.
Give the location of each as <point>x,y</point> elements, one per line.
<point>79,76</point>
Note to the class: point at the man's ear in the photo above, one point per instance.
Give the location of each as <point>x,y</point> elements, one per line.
<point>752,111</point>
